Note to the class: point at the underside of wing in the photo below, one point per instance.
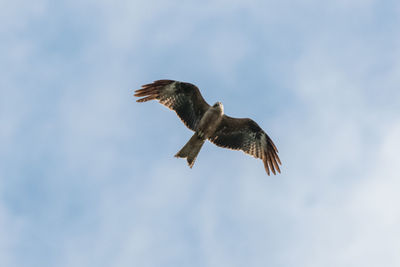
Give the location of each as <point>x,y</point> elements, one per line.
<point>184,98</point>
<point>246,135</point>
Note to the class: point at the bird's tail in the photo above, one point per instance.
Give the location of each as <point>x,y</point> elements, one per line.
<point>191,149</point>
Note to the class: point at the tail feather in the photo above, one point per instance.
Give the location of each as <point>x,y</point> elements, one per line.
<point>191,149</point>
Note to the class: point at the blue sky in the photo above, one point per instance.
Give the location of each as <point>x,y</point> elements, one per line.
<point>88,177</point>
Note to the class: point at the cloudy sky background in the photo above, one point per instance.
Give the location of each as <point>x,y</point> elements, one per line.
<point>88,177</point>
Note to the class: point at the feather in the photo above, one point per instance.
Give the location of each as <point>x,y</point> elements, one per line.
<point>233,133</point>
<point>184,98</point>
<point>246,135</point>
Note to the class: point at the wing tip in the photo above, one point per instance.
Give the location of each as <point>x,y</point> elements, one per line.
<point>270,160</point>
<point>152,90</point>
<point>148,92</point>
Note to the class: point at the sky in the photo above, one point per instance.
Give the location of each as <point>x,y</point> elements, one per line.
<point>88,177</point>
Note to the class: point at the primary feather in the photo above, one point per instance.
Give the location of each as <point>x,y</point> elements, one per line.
<point>246,135</point>
<point>184,98</point>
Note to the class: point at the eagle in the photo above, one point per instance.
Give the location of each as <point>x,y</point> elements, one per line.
<point>210,123</point>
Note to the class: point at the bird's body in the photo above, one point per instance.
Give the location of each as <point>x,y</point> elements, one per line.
<point>210,123</point>
<point>207,126</point>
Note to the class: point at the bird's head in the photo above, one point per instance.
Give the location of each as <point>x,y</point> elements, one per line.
<point>219,106</point>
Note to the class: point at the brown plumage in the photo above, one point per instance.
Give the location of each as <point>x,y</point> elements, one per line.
<point>246,135</point>
<point>210,123</point>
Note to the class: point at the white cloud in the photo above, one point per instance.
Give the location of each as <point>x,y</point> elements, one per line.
<point>333,205</point>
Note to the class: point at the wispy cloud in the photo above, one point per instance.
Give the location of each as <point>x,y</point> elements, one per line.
<point>88,176</point>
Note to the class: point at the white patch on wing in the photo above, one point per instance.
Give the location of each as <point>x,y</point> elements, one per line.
<point>170,88</point>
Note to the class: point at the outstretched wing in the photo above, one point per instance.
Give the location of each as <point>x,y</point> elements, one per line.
<point>246,135</point>
<point>184,98</point>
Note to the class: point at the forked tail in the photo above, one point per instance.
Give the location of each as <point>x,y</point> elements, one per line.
<point>191,149</point>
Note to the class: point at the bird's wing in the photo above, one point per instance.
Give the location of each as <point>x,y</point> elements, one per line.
<point>184,98</point>
<point>246,135</point>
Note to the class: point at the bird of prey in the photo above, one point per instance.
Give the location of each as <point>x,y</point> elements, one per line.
<point>210,123</point>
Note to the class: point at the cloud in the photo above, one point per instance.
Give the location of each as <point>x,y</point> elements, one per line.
<point>88,176</point>
<point>11,229</point>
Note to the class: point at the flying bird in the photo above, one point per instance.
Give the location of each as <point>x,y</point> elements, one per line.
<point>210,123</point>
